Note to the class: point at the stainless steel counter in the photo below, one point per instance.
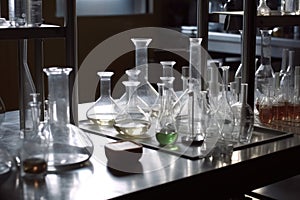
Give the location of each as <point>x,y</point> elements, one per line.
<point>158,173</point>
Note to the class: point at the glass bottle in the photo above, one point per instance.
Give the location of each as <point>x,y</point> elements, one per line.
<point>279,101</point>
<point>17,12</point>
<point>68,145</point>
<point>146,91</point>
<point>105,109</point>
<point>132,121</point>
<point>264,75</point>
<point>33,153</point>
<point>244,117</point>
<point>166,130</point>
<point>263,9</point>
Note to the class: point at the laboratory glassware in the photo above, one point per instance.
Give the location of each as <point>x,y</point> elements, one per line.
<point>296,98</point>
<point>2,111</point>
<point>33,154</point>
<point>34,13</point>
<point>238,72</point>
<point>263,9</point>
<point>279,101</point>
<point>68,145</point>
<point>105,109</point>
<point>156,107</point>
<point>244,117</point>
<point>145,90</point>
<point>133,121</point>
<point>173,98</point>
<point>167,68</point>
<point>185,77</point>
<point>166,130</point>
<point>17,12</point>
<point>264,75</point>
<point>284,62</point>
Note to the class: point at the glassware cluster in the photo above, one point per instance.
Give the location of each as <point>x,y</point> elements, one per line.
<point>277,93</point>
<point>191,116</point>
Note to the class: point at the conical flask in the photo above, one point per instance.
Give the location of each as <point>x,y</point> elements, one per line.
<point>68,145</point>
<point>105,109</point>
<point>146,91</point>
<point>133,121</point>
<point>264,75</point>
<point>166,130</point>
<point>263,9</point>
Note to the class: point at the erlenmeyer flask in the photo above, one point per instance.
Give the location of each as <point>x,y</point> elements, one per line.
<point>68,145</point>
<point>166,130</point>
<point>146,91</point>
<point>263,9</point>
<point>264,75</point>
<point>133,121</point>
<point>105,109</point>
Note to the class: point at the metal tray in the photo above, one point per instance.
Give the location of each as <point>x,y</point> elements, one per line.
<point>260,136</point>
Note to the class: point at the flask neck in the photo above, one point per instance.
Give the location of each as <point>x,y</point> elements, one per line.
<point>58,99</point>
<point>105,87</point>
<point>266,47</point>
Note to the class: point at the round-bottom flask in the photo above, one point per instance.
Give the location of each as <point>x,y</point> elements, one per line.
<point>68,145</point>
<point>105,109</point>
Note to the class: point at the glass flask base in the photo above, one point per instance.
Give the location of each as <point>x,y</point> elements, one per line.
<point>136,128</point>
<point>166,138</point>
<point>196,140</point>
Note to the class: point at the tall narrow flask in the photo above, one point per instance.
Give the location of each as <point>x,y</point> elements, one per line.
<point>264,75</point>
<point>166,130</point>
<point>296,98</point>
<point>105,109</point>
<point>156,107</point>
<point>68,145</point>
<point>244,117</point>
<point>146,91</point>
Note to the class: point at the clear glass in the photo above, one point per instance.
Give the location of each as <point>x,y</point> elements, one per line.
<point>284,62</point>
<point>6,162</point>
<point>2,111</point>
<point>33,153</point>
<point>17,12</point>
<point>105,109</point>
<point>133,121</point>
<point>34,13</point>
<point>168,68</point>
<point>279,101</point>
<point>68,145</point>
<point>264,75</point>
<point>238,72</point>
<point>166,130</point>
<point>266,108</point>
<point>287,82</point>
<point>174,100</point>
<point>185,77</point>
<point>244,117</point>
<point>156,107</point>
<point>146,91</point>
<point>263,9</point>
<point>296,98</point>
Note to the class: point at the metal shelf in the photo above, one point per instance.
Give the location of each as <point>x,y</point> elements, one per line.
<point>44,31</point>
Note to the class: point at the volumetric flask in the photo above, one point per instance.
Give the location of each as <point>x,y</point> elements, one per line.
<point>145,90</point>
<point>68,145</point>
<point>105,109</point>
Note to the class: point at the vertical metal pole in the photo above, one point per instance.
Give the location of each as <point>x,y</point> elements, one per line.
<point>202,32</point>
<point>39,75</point>
<point>249,44</point>
<point>72,54</point>
<point>22,105</point>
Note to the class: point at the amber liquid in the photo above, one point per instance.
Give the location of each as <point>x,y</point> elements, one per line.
<point>265,114</point>
<point>296,114</point>
<point>279,112</point>
<point>34,166</point>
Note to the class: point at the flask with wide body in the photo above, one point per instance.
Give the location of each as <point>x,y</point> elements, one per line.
<point>68,145</point>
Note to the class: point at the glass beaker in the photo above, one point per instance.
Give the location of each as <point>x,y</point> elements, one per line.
<point>264,75</point>
<point>133,121</point>
<point>166,130</point>
<point>146,91</point>
<point>68,145</point>
<point>244,117</point>
<point>263,9</point>
<point>105,109</point>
